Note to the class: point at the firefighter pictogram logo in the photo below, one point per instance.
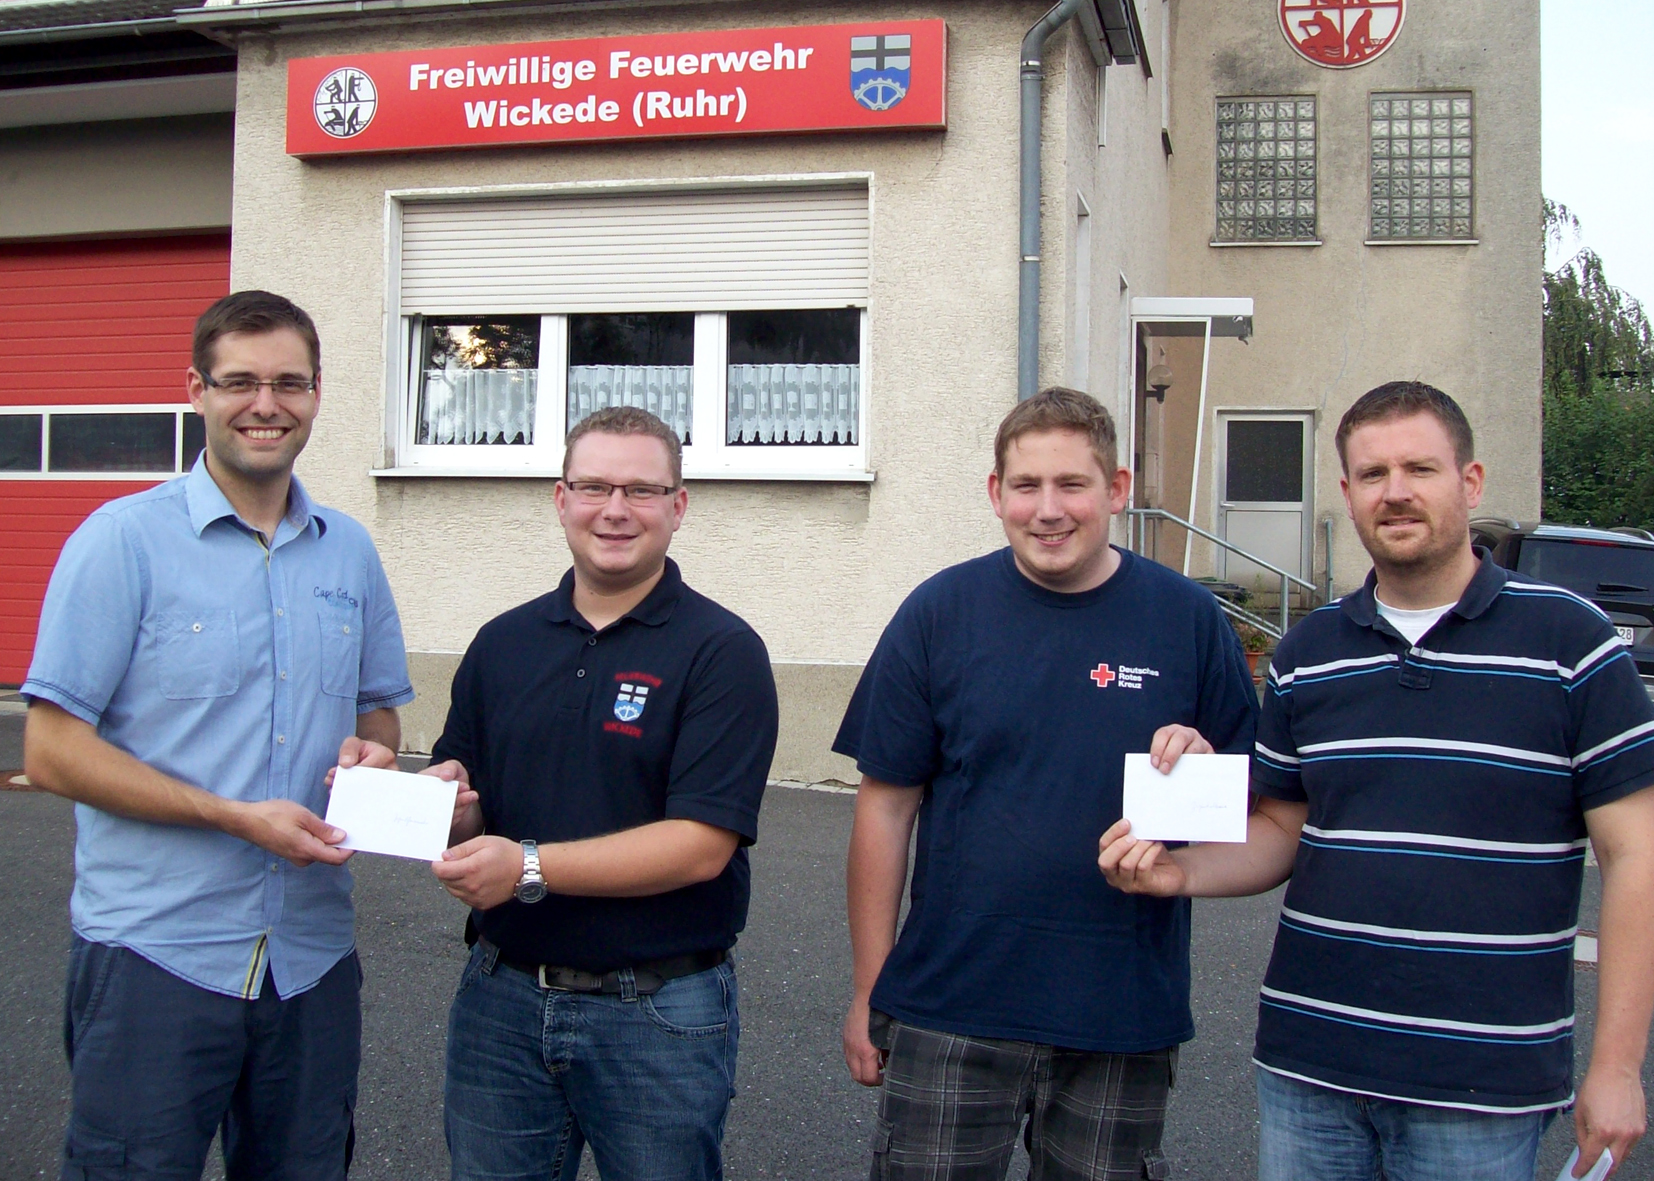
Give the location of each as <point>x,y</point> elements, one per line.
<point>1339,34</point>
<point>345,102</point>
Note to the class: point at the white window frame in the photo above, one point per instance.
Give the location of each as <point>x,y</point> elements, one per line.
<point>489,458</point>
<point>48,412</point>
<point>707,457</point>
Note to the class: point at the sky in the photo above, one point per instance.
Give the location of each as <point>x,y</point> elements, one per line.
<point>1597,74</point>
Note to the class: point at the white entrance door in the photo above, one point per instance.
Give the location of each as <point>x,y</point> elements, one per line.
<point>1265,463</point>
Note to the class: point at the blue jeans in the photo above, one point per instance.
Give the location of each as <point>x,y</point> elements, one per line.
<point>159,1064</point>
<point>1311,1133</point>
<point>536,1074</point>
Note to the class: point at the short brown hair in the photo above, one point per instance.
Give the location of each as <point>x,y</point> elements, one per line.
<point>1058,408</point>
<point>252,311</point>
<point>1403,399</point>
<point>627,420</point>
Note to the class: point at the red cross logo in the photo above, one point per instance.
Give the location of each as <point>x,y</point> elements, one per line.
<point>1103,675</point>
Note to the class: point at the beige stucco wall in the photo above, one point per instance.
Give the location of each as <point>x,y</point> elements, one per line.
<point>817,568</point>
<point>1334,320</point>
<point>1124,184</point>
<point>137,176</point>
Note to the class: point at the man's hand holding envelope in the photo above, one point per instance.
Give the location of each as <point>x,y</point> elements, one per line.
<point>1203,810</point>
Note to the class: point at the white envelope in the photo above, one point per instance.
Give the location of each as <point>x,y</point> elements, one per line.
<point>1598,1170</point>
<point>1203,799</point>
<point>392,812</point>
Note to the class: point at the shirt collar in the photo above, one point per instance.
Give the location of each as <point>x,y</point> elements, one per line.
<point>207,503</point>
<point>655,609</point>
<point>1485,585</point>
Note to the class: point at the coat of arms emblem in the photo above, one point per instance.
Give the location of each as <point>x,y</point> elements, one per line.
<point>880,69</point>
<point>345,102</point>
<point>629,702</point>
<point>1339,34</point>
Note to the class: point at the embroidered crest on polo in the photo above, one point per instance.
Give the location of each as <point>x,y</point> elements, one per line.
<point>629,702</point>
<point>1124,676</point>
<point>1339,34</point>
<point>881,69</point>
<point>345,102</point>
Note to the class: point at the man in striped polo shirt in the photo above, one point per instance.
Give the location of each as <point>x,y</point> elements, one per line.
<point>1437,749</point>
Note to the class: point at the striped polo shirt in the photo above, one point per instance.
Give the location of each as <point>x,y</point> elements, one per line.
<point>1425,945</point>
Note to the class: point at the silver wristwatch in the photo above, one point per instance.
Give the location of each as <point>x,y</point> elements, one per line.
<point>532,887</point>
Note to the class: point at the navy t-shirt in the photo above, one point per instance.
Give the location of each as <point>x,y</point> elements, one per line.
<point>1014,707</point>
<point>668,713</point>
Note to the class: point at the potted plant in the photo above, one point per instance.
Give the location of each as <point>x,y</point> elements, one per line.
<point>1257,645</point>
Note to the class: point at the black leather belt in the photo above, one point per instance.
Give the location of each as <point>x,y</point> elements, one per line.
<point>647,976</point>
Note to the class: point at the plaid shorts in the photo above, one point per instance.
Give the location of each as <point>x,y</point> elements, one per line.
<point>951,1106</point>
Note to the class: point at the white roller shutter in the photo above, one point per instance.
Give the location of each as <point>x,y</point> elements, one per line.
<point>693,250</point>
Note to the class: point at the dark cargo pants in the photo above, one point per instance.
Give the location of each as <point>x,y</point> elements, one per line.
<point>158,1065</point>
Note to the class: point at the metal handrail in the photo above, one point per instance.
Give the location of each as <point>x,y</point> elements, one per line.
<point>1138,517</point>
<point>1236,611</point>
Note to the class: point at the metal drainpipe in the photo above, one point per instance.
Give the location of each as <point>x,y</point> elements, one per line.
<point>1033,76</point>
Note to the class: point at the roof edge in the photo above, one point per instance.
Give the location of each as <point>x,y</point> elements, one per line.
<point>238,16</point>
<point>155,24</point>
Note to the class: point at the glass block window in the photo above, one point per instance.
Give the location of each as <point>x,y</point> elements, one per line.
<point>1421,180</point>
<point>1266,169</point>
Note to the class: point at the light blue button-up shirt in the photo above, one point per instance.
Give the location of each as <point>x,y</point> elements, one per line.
<point>171,628</point>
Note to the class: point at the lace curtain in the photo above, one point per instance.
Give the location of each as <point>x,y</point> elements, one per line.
<point>767,403</point>
<point>478,406</point>
<point>794,403</point>
<point>666,391</point>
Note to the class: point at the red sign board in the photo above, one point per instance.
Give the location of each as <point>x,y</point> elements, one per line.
<point>852,77</point>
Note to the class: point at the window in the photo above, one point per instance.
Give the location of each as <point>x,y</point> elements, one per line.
<point>499,392</point>
<point>794,377</point>
<point>1266,170</point>
<point>99,441</point>
<point>737,317</point>
<point>645,360</point>
<point>1421,167</point>
<point>478,381</point>
<point>20,442</point>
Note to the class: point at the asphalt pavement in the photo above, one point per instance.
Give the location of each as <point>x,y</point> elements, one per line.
<point>797,1114</point>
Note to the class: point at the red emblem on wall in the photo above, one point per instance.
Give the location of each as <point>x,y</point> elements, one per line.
<point>1339,34</point>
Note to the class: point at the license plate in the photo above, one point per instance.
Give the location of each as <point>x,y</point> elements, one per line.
<point>1627,635</point>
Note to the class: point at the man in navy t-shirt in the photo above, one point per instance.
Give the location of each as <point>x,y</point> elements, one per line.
<point>998,710</point>
<point>1435,750</point>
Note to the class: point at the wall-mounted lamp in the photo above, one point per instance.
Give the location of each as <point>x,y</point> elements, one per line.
<point>1159,380</point>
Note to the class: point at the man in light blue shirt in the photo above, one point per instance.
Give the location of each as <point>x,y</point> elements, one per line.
<point>208,650</point>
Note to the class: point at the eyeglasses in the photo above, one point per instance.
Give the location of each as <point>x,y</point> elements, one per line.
<point>597,492</point>
<point>281,387</point>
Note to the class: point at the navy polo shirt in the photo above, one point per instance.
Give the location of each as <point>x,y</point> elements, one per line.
<point>1014,708</point>
<point>1425,950</point>
<point>668,713</point>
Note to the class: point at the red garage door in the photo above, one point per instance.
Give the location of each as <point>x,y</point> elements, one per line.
<point>94,341</point>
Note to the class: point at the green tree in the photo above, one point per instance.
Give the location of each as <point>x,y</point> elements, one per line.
<point>1593,330</point>
<point>1598,374</point>
<point>1599,458</point>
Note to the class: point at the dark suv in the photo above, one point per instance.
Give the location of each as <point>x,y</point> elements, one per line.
<point>1613,568</point>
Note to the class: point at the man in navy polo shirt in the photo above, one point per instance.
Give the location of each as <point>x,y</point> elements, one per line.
<point>615,735</point>
<point>1436,751</point>
<point>998,710</point>
<point>207,650</point>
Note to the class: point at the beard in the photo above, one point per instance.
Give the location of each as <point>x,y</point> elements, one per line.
<point>1431,544</point>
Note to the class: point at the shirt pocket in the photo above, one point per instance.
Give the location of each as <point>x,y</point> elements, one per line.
<point>341,653</point>
<point>197,653</point>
